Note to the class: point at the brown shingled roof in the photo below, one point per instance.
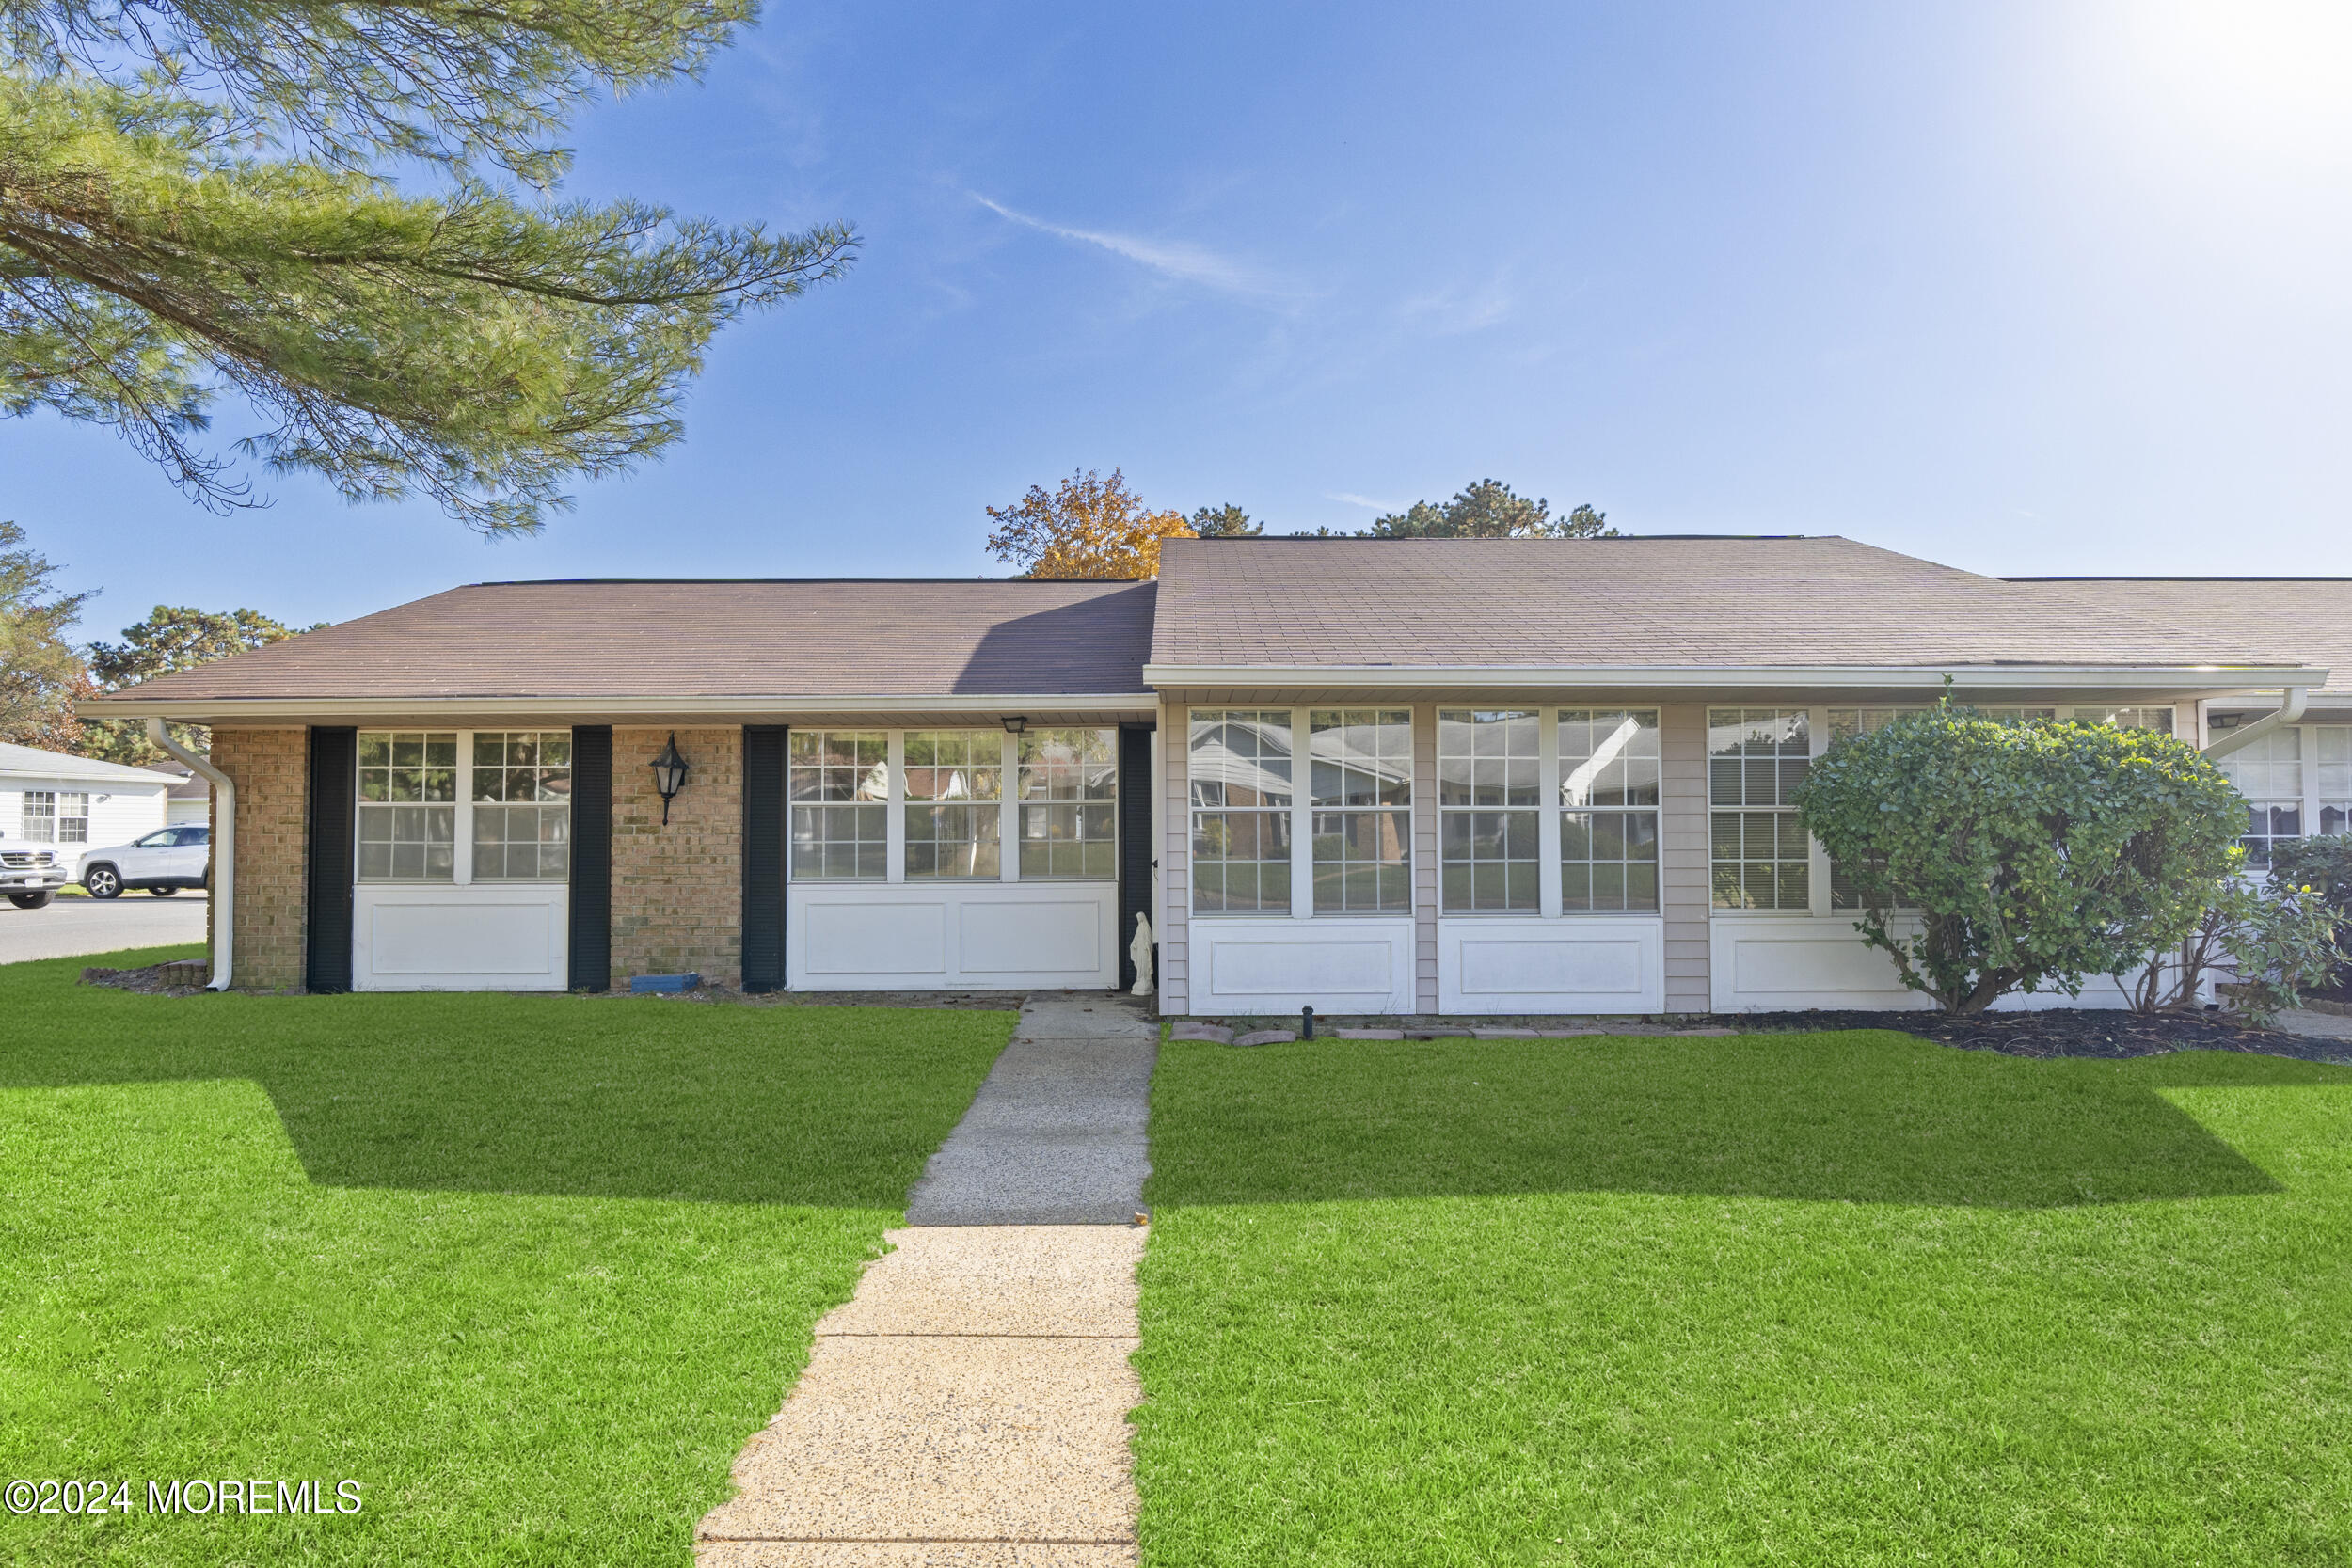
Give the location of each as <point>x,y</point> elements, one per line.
<point>722,639</point>
<point>1689,602</point>
<point>2310,616</point>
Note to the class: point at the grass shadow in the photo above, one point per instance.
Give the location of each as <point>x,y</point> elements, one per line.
<point>547,1095</point>
<point>1866,1118</point>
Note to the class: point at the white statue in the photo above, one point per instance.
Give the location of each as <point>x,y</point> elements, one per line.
<point>1140,950</point>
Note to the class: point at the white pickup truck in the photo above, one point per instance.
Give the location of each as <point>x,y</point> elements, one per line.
<point>30,873</point>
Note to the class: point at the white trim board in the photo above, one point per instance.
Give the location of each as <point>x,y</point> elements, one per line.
<point>951,935</point>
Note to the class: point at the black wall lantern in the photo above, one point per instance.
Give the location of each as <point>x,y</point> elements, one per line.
<point>669,775</point>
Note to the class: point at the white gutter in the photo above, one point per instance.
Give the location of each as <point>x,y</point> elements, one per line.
<point>224,851</point>
<point>1982,678</point>
<point>2292,703</point>
<point>214,710</point>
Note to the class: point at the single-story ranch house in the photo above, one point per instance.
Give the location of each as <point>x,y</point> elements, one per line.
<point>1372,776</point>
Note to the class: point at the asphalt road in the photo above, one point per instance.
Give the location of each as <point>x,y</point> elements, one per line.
<point>69,927</point>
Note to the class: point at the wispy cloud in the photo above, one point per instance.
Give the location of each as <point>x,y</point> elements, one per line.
<point>1175,258</point>
<point>1460,308</point>
<point>1346,497</point>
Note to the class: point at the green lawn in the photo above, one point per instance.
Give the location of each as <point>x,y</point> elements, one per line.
<point>531,1269</point>
<point>1774,1299</point>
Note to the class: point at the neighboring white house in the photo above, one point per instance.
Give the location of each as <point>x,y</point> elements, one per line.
<point>191,799</point>
<point>53,797</point>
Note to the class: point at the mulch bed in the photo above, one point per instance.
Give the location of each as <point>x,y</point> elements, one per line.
<point>171,979</point>
<point>2070,1032</point>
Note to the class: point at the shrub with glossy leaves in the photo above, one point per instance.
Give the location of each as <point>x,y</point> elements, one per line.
<point>1993,857</point>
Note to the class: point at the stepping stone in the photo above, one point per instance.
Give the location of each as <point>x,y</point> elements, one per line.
<point>1504,1034</point>
<point>1370,1033</point>
<point>1265,1036</point>
<point>1213,1032</point>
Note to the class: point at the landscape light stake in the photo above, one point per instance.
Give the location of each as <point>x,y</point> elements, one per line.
<point>1306,1024</point>
<point>669,775</point>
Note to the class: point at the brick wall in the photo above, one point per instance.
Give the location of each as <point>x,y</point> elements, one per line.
<point>270,769</point>
<point>677,892</point>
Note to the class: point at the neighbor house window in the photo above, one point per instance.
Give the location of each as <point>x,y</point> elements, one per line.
<point>72,816</point>
<point>1608,809</point>
<point>407,806</point>
<point>1489,789</point>
<point>2269,773</point>
<point>1755,757</point>
<point>2331,750</point>
<point>1241,810</point>
<point>955,789</point>
<point>839,783</point>
<point>38,820</point>
<point>522,806</point>
<point>1068,794</point>
<point>1361,778</point>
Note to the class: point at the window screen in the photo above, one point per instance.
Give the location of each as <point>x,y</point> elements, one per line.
<point>955,784</point>
<point>1068,791</point>
<point>1755,757</point>
<point>1360,771</point>
<point>1609,764</point>
<point>1489,778</point>
<point>839,785</point>
<point>1241,788</point>
<point>407,806</point>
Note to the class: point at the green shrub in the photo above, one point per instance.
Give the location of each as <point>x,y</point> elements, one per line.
<point>1993,857</point>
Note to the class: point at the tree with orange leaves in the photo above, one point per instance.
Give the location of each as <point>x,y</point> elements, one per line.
<point>1091,526</point>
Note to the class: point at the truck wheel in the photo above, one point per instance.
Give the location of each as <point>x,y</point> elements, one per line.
<point>163,891</point>
<point>103,881</point>
<point>33,900</point>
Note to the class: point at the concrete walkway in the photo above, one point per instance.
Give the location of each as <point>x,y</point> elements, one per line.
<point>1055,1135</point>
<point>968,1406</point>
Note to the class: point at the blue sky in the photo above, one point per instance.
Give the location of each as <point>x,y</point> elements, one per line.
<point>2038,287</point>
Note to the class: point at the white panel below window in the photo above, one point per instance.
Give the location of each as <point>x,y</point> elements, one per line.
<point>1574,964</point>
<point>487,937</point>
<point>1767,963</point>
<point>950,936</point>
<point>1279,966</point>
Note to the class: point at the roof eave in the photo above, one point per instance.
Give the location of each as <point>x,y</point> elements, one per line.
<point>1966,677</point>
<point>215,710</point>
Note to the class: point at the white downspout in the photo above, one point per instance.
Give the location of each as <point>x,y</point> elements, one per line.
<point>224,850</point>
<point>2293,700</point>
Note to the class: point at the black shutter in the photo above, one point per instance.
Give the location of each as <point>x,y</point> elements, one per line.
<point>1134,843</point>
<point>763,857</point>
<point>331,808</point>
<point>590,945</point>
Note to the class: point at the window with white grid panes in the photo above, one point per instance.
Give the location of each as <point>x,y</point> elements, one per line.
<point>522,791</point>
<point>407,807</point>
<point>1755,757</point>
<point>1239,765</point>
<point>1609,782</point>
<point>838,782</point>
<point>1361,797</point>
<point>2332,755</point>
<point>1844,725</point>
<point>1068,794</point>
<point>1489,810</point>
<point>37,816</point>
<point>72,816</point>
<point>2269,771</point>
<point>2016,715</point>
<point>2157,719</point>
<point>955,788</point>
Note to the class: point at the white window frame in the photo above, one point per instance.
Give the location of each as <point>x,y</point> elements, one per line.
<point>1818,889</point>
<point>47,819</point>
<point>461,852</point>
<point>895,803</point>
